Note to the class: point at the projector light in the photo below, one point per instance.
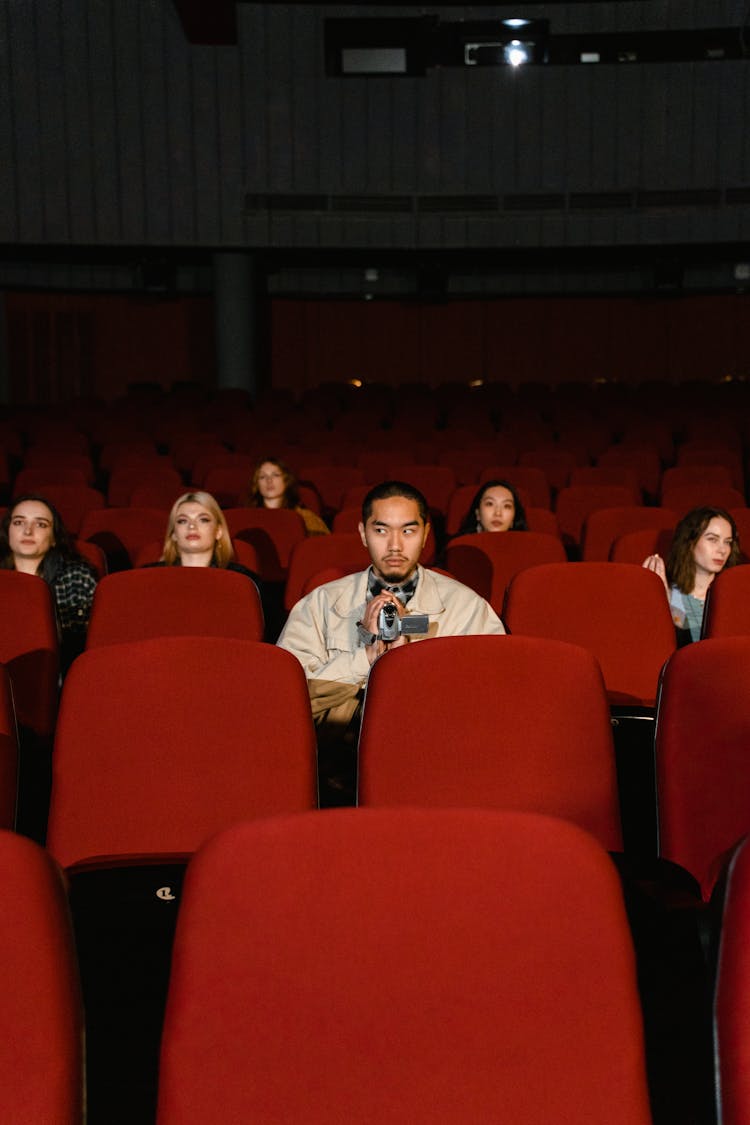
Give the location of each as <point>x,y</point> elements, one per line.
<point>516,53</point>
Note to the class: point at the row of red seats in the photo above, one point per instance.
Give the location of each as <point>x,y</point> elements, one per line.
<point>105,746</point>
<point>577,517</point>
<point>339,467</point>
<point>299,938</point>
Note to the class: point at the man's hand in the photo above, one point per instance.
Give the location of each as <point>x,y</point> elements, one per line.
<point>370,623</point>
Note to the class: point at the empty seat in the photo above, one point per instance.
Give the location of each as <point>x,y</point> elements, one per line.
<point>243,465</point>
<point>530,480</point>
<point>161,742</point>
<point>702,764</point>
<point>171,601</point>
<point>343,550</point>
<point>507,552</point>
<point>383,966</point>
<point>686,475</point>
<point>622,475</point>
<point>73,501</point>
<point>122,532</point>
<point>620,613</point>
<point>732,999</point>
<point>124,482</point>
<point>273,532</point>
<point>635,546</point>
<point>230,484</point>
<point>644,460</point>
<point>557,463</point>
<point>727,612</point>
<point>684,497</point>
<point>41,1054</point>
<point>159,745</point>
<point>551,752</point>
<point>156,494</point>
<point>435,482</point>
<point>42,457</point>
<point>37,480</point>
<point>604,525</point>
<point>331,482</point>
<point>8,753</point>
<point>576,502</point>
<point>29,649</point>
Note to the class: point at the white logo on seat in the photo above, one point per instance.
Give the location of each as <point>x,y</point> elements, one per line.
<point>165,893</point>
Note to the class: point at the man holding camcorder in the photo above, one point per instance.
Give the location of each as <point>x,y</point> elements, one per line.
<point>340,629</point>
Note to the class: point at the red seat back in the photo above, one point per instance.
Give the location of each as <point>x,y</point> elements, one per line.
<point>702,762</point>
<point>8,753</point>
<point>727,612</point>
<point>161,743</point>
<point>576,502</point>
<point>684,497</point>
<point>620,613</point>
<point>29,648</point>
<point>635,546</point>
<point>41,1053</point>
<point>173,601</point>
<point>343,550</point>
<point>273,532</point>
<point>403,966</point>
<point>732,1001</point>
<point>121,532</point>
<point>604,525</point>
<point>550,752</point>
<point>508,552</point>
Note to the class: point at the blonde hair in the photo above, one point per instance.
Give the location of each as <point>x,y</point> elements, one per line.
<point>223,550</point>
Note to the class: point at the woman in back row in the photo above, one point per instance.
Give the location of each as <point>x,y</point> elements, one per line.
<point>275,486</point>
<point>705,543</point>
<point>495,507</point>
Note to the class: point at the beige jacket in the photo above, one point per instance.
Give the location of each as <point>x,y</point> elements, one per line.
<point>321,630</point>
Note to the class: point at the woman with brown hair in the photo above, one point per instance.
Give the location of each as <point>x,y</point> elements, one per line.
<point>705,542</point>
<point>275,486</point>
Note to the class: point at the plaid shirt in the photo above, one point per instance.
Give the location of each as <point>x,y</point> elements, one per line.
<point>73,589</point>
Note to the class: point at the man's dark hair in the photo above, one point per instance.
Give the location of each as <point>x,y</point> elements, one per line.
<point>390,488</point>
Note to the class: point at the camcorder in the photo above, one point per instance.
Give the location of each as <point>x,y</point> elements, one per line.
<point>391,626</point>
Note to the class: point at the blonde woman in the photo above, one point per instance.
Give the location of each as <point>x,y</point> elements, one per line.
<point>197,535</point>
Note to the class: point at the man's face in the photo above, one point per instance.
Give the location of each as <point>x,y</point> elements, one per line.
<point>394,535</point>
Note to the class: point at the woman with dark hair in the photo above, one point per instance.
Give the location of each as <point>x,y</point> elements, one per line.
<point>275,486</point>
<point>34,540</point>
<point>705,542</point>
<point>495,507</point>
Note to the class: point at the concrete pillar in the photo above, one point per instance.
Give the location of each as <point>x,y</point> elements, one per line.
<point>4,358</point>
<point>236,314</point>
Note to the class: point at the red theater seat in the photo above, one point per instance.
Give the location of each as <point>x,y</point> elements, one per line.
<point>732,1000</point>
<point>702,761</point>
<point>391,966</point>
<point>507,553</point>
<point>172,601</point>
<point>41,1050</point>
<point>551,753</point>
